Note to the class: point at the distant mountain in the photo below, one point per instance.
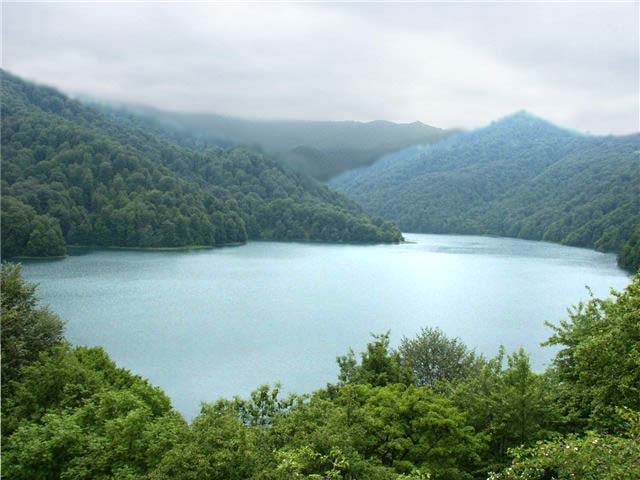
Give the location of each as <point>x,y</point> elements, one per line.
<point>316,148</point>
<point>72,175</point>
<point>520,177</point>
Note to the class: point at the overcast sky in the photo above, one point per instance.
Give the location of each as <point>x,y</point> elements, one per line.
<point>448,65</point>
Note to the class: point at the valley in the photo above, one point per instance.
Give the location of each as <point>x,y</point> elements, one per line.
<point>320,240</point>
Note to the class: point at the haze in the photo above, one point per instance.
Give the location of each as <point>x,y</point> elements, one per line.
<point>448,65</point>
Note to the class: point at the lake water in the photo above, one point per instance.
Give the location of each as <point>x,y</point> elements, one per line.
<point>216,323</point>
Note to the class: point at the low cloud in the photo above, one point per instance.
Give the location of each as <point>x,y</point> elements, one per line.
<point>444,64</point>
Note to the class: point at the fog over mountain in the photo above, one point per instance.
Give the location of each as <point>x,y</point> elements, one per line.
<point>447,65</point>
<point>321,149</point>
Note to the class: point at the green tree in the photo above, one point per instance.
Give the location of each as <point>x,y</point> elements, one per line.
<point>409,428</point>
<point>598,366</point>
<point>629,257</point>
<point>45,239</point>
<point>367,431</point>
<point>434,357</point>
<point>590,457</point>
<point>74,414</point>
<point>16,223</point>
<point>378,366</point>
<point>26,330</point>
<point>507,402</point>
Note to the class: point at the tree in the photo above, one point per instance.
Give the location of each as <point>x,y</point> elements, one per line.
<point>434,357</point>
<point>26,329</point>
<point>410,428</point>
<point>74,414</point>
<point>629,257</point>
<point>598,366</point>
<point>376,433</point>
<point>508,402</point>
<point>378,366</point>
<point>592,456</point>
<point>45,239</point>
<point>16,226</point>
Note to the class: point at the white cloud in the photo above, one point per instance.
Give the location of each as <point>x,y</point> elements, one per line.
<point>444,64</point>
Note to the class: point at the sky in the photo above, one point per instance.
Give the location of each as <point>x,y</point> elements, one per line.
<point>445,64</point>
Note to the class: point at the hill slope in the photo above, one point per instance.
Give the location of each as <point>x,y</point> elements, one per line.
<point>71,175</point>
<point>317,148</point>
<point>520,177</point>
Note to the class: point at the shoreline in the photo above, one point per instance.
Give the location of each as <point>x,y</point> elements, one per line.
<point>141,249</point>
<point>157,249</point>
<point>27,257</point>
<point>195,247</point>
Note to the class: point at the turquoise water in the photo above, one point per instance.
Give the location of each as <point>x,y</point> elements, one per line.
<point>207,324</point>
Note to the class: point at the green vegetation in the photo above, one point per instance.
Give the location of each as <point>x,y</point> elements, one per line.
<point>600,360</point>
<point>27,330</point>
<point>519,177</point>
<point>436,358</point>
<point>319,149</point>
<point>72,175</point>
<point>629,257</point>
<point>592,456</point>
<point>430,410</point>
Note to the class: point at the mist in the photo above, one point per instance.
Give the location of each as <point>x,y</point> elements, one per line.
<point>447,65</point>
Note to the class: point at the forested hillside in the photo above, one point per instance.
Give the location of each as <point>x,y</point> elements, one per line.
<point>431,409</point>
<point>316,148</point>
<point>520,177</point>
<point>72,175</point>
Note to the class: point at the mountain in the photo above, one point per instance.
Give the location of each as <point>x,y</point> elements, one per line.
<point>520,177</point>
<point>317,148</point>
<point>72,175</point>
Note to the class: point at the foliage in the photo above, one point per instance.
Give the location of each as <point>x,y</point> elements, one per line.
<point>26,330</point>
<point>74,414</point>
<point>599,365</point>
<point>25,232</point>
<point>590,457</point>
<point>519,177</point>
<point>378,366</point>
<point>509,403</point>
<point>378,432</point>
<point>72,175</point>
<point>629,257</point>
<point>435,358</point>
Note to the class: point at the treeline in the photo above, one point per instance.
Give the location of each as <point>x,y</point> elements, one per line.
<point>431,409</point>
<point>72,175</point>
<point>519,177</point>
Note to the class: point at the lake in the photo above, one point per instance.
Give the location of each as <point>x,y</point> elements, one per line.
<point>206,324</point>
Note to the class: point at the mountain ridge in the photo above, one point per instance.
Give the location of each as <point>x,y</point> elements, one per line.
<point>504,179</point>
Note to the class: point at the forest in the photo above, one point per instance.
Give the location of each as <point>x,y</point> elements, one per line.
<point>72,175</point>
<point>430,409</point>
<point>519,177</point>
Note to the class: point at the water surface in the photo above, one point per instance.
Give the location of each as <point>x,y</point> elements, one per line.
<point>215,323</point>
